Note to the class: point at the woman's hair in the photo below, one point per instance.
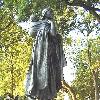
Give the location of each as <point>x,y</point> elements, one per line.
<point>44,12</point>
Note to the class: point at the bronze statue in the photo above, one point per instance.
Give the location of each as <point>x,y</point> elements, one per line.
<point>44,76</point>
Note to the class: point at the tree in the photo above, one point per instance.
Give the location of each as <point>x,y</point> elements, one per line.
<point>94,63</point>
<point>87,81</point>
<point>69,16</point>
<point>65,11</point>
<point>26,7</point>
<point>14,54</point>
<point>89,5</point>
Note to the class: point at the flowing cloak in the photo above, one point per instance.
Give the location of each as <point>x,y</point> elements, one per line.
<point>43,79</point>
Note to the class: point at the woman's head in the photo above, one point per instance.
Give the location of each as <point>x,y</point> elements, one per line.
<point>47,13</point>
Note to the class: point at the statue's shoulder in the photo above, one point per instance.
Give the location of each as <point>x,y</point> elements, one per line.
<point>35,24</point>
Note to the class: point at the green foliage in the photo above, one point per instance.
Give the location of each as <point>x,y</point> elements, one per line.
<point>15,50</point>
<point>60,95</point>
<point>16,45</point>
<point>66,17</point>
<point>24,8</point>
<point>15,53</point>
<point>84,82</point>
<point>95,49</point>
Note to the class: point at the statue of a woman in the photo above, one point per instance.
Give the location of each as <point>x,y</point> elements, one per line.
<point>45,72</point>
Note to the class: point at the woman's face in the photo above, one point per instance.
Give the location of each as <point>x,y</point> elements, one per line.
<point>49,14</point>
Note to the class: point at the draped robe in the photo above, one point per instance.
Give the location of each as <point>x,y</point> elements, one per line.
<point>43,79</point>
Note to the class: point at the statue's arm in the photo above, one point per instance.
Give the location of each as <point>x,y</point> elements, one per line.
<point>52,28</point>
<point>32,25</point>
<point>32,30</point>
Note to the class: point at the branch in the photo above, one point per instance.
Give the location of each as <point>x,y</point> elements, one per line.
<point>86,6</point>
<point>95,14</point>
<point>69,88</point>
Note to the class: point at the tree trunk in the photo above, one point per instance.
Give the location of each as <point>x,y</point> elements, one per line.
<point>12,75</point>
<point>95,78</point>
